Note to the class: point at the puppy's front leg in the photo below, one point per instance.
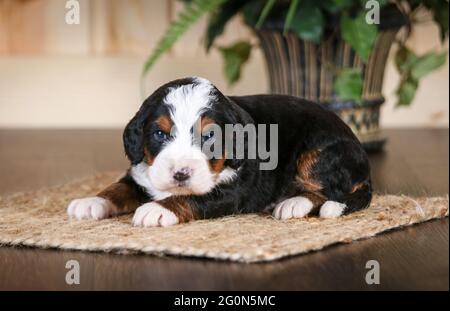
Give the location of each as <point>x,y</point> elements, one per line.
<point>166,212</point>
<point>181,209</point>
<point>121,197</point>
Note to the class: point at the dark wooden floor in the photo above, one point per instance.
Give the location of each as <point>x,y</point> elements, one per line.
<point>415,162</point>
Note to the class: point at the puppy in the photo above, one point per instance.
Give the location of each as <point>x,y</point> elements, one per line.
<point>321,168</point>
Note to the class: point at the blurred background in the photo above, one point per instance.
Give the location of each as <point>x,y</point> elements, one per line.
<point>56,75</point>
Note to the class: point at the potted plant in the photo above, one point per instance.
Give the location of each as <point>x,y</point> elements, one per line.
<point>332,52</point>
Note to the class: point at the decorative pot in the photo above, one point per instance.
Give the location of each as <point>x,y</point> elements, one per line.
<point>303,68</point>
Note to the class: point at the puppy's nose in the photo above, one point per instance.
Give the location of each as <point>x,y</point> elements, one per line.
<point>182,174</point>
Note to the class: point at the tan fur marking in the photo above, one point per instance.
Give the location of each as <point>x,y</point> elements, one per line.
<point>165,124</point>
<point>316,198</point>
<point>216,165</point>
<point>305,166</point>
<point>180,207</point>
<point>205,122</point>
<point>122,196</point>
<point>358,186</point>
<point>149,158</point>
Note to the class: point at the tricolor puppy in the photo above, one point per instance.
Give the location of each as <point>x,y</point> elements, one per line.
<point>321,167</point>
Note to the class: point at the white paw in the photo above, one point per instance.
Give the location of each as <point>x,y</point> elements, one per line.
<point>91,208</point>
<point>296,207</point>
<point>154,215</point>
<point>331,209</point>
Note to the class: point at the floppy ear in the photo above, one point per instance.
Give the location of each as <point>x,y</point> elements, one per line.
<point>238,116</point>
<point>133,135</point>
<point>133,138</point>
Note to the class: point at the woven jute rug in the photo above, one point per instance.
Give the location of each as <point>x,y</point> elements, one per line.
<point>39,219</point>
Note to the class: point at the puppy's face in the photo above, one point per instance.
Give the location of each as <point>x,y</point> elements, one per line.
<point>166,137</point>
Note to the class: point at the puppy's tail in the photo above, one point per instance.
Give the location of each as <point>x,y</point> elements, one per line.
<point>358,199</point>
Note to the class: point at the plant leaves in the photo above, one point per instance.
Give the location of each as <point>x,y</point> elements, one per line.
<point>308,22</point>
<point>265,11</point>
<point>412,68</point>
<point>191,14</point>
<point>406,92</point>
<point>252,12</point>
<point>292,10</point>
<point>348,84</point>
<point>335,5</point>
<point>360,35</point>
<point>427,63</point>
<point>381,3</point>
<point>404,60</point>
<point>220,18</point>
<point>234,57</point>
<point>342,4</point>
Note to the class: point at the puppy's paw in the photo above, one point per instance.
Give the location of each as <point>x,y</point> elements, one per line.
<point>332,209</point>
<point>154,215</point>
<point>296,207</point>
<point>91,208</point>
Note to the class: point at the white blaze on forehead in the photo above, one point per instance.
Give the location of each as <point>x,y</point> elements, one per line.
<point>187,103</point>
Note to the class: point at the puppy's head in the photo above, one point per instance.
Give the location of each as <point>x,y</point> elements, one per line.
<point>167,136</point>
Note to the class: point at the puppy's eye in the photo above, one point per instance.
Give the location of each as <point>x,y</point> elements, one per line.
<point>207,136</point>
<point>160,136</point>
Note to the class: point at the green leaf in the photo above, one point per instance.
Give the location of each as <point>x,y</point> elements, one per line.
<point>292,10</point>
<point>266,10</point>
<point>220,18</point>
<point>308,22</point>
<point>412,68</point>
<point>360,35</point>
<point>342,4</point>
<point>191,14</point>
<point>410,64</point>
<point>235,57</point>
<point>334,6</point>
<point>381,3</point>
<point>348,85</point>
<point>427,63</point>
<point>405,59</point>
<point>251,12</point>
<point>406,92</point>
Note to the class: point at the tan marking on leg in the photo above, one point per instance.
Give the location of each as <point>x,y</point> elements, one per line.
<point>315,197</point>
<point>122,196</point>
<point>180,207</point>
<point>305,165</point>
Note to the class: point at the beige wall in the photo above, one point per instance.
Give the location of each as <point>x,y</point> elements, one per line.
<point>87,75</point>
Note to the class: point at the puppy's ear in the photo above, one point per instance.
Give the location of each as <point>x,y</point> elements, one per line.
<point>133,138</point>
<point>133,135</point>
<point>238,116</point>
